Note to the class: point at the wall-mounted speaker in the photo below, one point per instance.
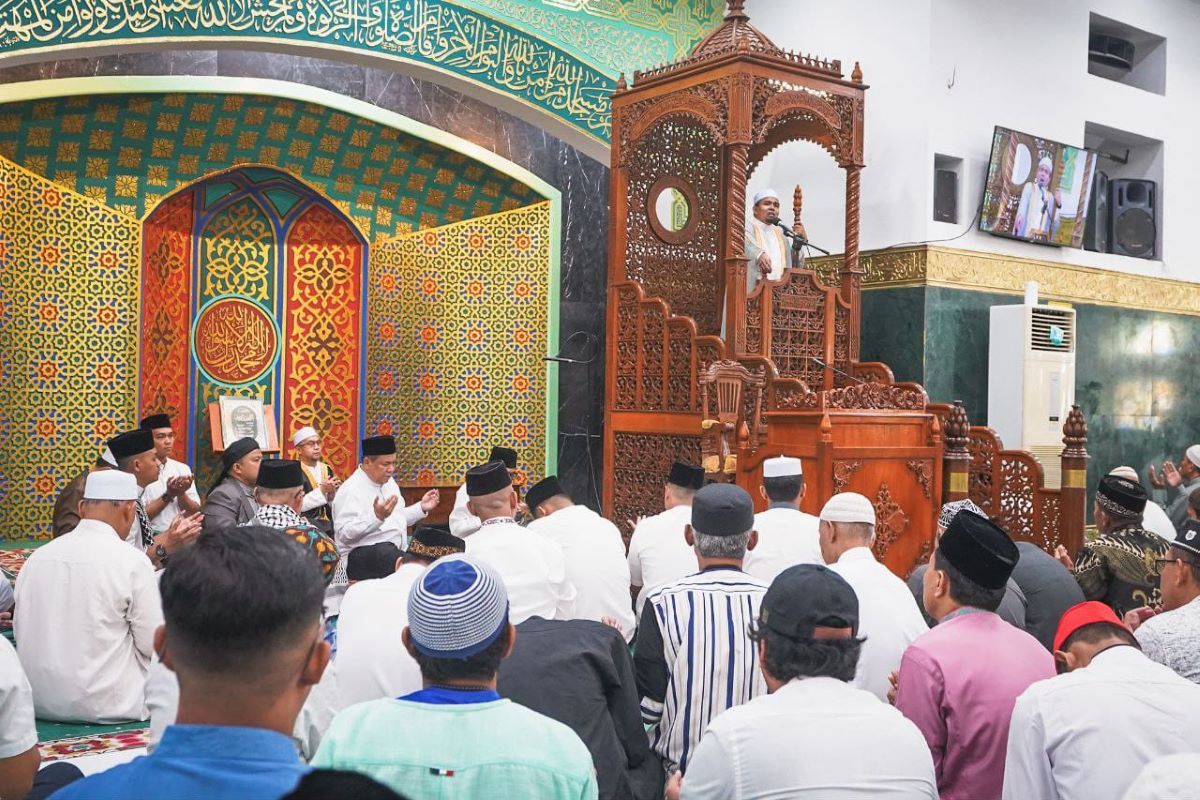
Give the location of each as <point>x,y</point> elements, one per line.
<point>1133,217</point>
<point>945,195</point>
<point>1099,218</point>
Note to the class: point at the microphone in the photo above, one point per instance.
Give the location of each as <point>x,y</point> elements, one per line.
<point>779,222</point>
<point>564,360</point>
<point>835,369</point>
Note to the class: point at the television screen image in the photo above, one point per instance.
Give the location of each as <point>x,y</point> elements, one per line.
<point>1037,190</point>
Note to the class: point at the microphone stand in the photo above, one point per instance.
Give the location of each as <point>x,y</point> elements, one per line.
<point>798,241</point>
<point>835,370</point>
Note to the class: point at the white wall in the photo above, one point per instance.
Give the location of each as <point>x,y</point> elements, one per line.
<point>943,73</point>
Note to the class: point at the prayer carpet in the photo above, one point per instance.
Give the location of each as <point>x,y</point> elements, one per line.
<point>64,740</point>
<point>12,559</point>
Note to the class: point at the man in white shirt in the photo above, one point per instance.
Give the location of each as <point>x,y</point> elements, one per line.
<point>19,755</point>
<point>368,507</point>
<point>888,614</point>
<point>532,566</point>
<point>462,522</point>
<point>813,736</point>
<point>1172,638</point>
<point>371,660</point>
<point>175,491</point>
<point>658,553</point>
<point>786,535</point>
<point>87,607</point>
<point>594,553</point>
<point>1086,734</point>
<point>766,247</point>
<point>1037,213</point>
<point>320,484</point>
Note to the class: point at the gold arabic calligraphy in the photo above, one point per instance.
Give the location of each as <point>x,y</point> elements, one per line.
<point>430,31</point>
<point>235,341</point>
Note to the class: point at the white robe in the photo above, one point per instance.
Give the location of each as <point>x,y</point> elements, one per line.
<point>87,608</point>
<point>596,564</point>
<point>786,537</point>
<point>171,469</point>
<point>532,567</point>
<point>761,237</point>
<point>462,522</point>
<point>658,553</point>
<point>354,520</point>
<point>316,498</point>
<point>1037,212</point>
<point>372,662</point>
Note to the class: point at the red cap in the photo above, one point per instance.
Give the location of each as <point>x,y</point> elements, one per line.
<point>1077,616</point>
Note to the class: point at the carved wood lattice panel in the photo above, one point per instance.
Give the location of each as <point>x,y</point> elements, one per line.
<point>798,329</point>
<point>641,463</point>
<point>688,275</point>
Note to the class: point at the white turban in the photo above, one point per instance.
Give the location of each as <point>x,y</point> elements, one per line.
<point>1046,162</point>
<point>764,194</point>
<point>848,507</point>
<point>303,435</point>
<point>1128,473</point>
<point>1193,454</point>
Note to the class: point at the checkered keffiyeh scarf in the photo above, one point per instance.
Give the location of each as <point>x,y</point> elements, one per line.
<point>278,517</point>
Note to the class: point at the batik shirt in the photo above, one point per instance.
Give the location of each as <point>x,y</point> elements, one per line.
<point>1118,569</point>
<point>1173,639</point>
<point>294,525</point>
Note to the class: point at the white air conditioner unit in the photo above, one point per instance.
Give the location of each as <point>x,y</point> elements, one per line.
<point>1031,380</point>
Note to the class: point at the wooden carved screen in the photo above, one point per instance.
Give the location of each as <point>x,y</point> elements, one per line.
<point>677,152</point>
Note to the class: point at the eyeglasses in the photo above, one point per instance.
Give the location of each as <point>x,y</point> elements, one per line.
<point>1160,562</point>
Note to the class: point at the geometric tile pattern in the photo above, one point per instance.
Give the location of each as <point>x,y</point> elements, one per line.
<point>68,341</point>
<point>457,330</point>
<point>130,151</point>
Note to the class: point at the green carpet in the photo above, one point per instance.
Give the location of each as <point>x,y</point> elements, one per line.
<point>51,731</point>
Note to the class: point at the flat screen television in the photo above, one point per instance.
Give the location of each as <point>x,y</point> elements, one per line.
<point>1037,190</point>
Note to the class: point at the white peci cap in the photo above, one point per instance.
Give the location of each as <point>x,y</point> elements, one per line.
<point>848,507</point>
<point>303,435</point>
<point>1193,454</point>
<point>764,194</point>
<point>110,484</point>
<point>782,467</point>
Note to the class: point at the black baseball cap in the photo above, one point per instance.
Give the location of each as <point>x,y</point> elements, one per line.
<point>810,601</point>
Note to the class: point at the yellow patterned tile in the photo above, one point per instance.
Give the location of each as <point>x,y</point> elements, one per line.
<point>372,176</point>
<point>194,137</point>
<point>360,138</point>
<point>129,157</point>
<point>323,167</point>
<point>351,159</point>
<point>100,140</point>
<point>224,126</point>
<point>189,164</point>
<point>435,198</point>
<point>365,199</point>
<point>298,148</point>
<point>168,123</point>
<point>277,132</point>
<point>162,148</point>
<point>134,129</point>
<point>127,186</point>
<point>339,122</point>
<point>201,112</point>
<point>96,168</point>
<point>107,112</point>
<point>255,116</point>
<point>218,152</point>
<point>67,151</point>
<point>73,124</point>
<point>247,140</point>
<point>156,175</point>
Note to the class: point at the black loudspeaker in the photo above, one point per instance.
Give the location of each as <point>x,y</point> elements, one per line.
<point>945,195</point>
<point>1133,214</point>
<point>1099,220</point>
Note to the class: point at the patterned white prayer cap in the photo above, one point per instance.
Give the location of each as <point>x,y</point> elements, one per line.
<point>110,484</point>
<point>303,435</point>
<point>458,608</point>
<point>950,510</point>
<point>1128,473</point>
<point>764,194</point>
<point>848,507</point>
<point>782,467</point>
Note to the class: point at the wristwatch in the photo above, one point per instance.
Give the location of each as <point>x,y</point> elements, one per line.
<point>160,553</point>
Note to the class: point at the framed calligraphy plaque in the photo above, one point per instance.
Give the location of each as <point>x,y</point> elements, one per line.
<point>234,418</point>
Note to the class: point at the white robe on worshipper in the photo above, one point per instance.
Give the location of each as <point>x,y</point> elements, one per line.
<point>371,658</point>
<point>532,566</point>
<point>1088,733</point>
<point>815,738</point>
<point>462,522</point>
<point>316,474</point>
<point>17,730</point>
<point>171,469</point>
<point>87,608</point>
<point>1037,213</point>
<point>888,617</point>
<point>596,564</point>
<point>786,537</point>
<point>354,520</point>
<point>1155,520</point>
<point>658,553</point>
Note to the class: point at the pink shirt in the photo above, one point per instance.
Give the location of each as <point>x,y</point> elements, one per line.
<point>959,683</point>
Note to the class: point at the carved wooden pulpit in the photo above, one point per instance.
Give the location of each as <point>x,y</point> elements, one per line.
<point>702,369</point>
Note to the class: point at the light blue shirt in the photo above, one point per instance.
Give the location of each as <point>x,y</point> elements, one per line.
<point>215,762</point>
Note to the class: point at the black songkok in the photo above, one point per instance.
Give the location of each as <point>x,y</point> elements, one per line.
<point>378,446</point>
<point>487,479</point>
<point>686,476</point>
<point>1121,496</point>
<point>505,454</point>
<point>542,491</point>
<point>979,549</point>
<point>280,473</point>
<point>131,443</point>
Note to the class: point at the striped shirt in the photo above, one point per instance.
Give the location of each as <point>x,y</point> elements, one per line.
<point>694,657</point>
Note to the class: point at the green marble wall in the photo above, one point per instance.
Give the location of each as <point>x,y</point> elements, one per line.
<point>1134,377</point>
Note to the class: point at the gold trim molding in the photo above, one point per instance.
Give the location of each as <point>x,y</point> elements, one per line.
<point>926,265</point>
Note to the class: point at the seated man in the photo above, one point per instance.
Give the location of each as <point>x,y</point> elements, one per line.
<point>889,618</point>
<point>456,737</point>
<point>372,662</point>
<point>462,522</point>
<point>579,672</point>
<point>1173,637</point>
<point>1087,733</point>
<point>786,535</point>
<point>19,754</point>
<point>658,553</point>
<point>66,506</point>
<point>813,735</point>
<point>87,607</point>
<point>174,492</point>
<point>368,507</point>
<point>374,561</point>
<point>320,484</point>
<point>279,492</point>
<point>532,567</point>
<point>593,550</point>
<point>245,643</point>
<point>134,453</point>
<point>1049,590</point>
<point>231,500</point>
